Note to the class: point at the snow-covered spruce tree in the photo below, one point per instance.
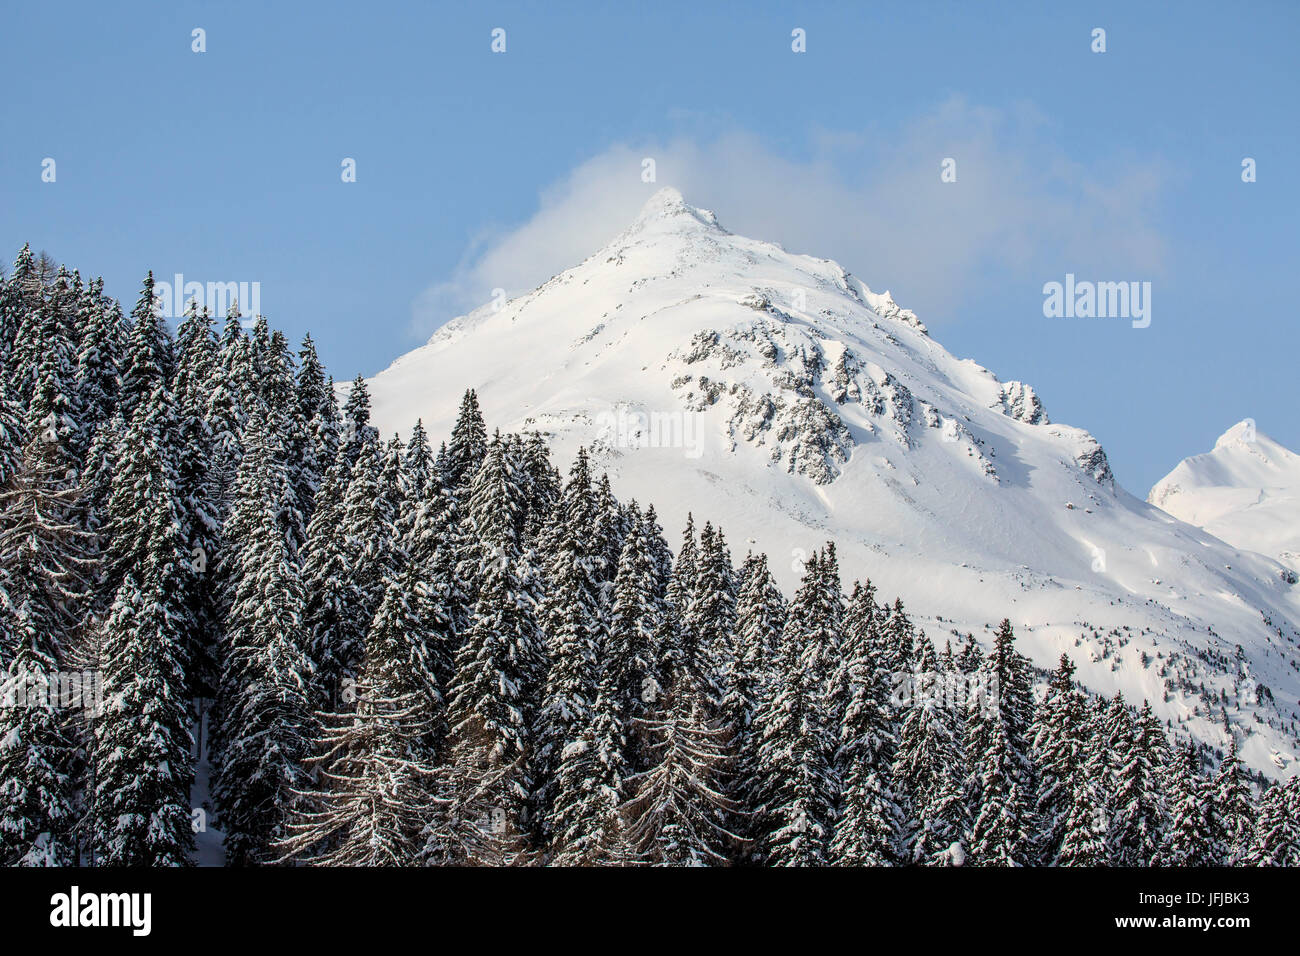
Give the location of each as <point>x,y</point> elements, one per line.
<point>411,645</point>
<point>631,656</point>
<point>395,501</point>
<point>52,410</point>
<point>897,637</point>
<point>1115,727</point>
<point>868,828</point>
<point>679,648</point>
<point>316,412</point>
<point>927,766</point>
<point>1139,807</point>
<point>419,463</point>
<point>544,487</point>
<point>574,632</point>
<point>200,510</point>
<point>1275,840</point>
<point>864,638</point>
<point>498,672</point>
<point>13,307</point>
<point>145,462</point>
<point>495,501</point>
<point>143,748</point>
<point>797,786</point>
<point>357,432</point>
<point>674,805</point>
<point>376,791</point>
<point>369,533</point>
<point>1188,839</point>
<point>100,352</point>
<point>1001,790</point>
<point>266,675</point>
<point>1083,832</point>
<point>760,618</point>
<point>227,391</point>
<point>326,574</point>
<point>1231,811</point>
<point>468,444</point>
<point>13,435</point>
<point>44,570</point>
<point>1059,733</point>
<point>586,823</point>
<point>45,339</point>
<point>612,526</point>
<point>378,786</point>
<point>149,354</point>
<point>711,619</point>
<point>662,555</point>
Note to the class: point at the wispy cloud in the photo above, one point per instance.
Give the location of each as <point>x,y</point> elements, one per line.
<point>867,197</point>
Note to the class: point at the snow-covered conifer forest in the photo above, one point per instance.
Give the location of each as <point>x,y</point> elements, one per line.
<point>239,625</point>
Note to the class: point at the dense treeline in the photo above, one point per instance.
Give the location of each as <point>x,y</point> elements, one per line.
<point>405,656</point>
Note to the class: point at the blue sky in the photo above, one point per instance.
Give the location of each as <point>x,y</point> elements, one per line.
<point>477,170</point>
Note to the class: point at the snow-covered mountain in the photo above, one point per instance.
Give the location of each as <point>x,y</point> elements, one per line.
<point>1246,492</point>
<point>777,395</point>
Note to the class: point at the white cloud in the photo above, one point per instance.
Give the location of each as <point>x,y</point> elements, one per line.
<point>871,199</point>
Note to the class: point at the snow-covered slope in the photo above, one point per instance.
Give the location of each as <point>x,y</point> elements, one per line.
<point>777,395</point>
<point>1246,492</point>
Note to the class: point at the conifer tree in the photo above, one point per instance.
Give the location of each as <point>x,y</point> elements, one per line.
<point>574,633</point>
<point>200,510</point>
<point>99,357</point>
<point>1059,738</point>
<point>419,463</point>
<point>228,407</point>
<point>760,619</point>
<point>378,786</point>
<point>543,487</point>
<point>357,432</point>
<point>1139,813</point>
<point>927,764</point>
<point>328,629</point>
<point>1083,832</point>
<point>468,444</point>
<point>266,675</point>
<point>586,825</point>
<point>632,659</point>
<point>1231,811</point>
<point>143,748</point>
<point>317,417</point>
<point>498,669</point>
<point>1189,839</point>
<point>711,619</point>
<point>798,790</point>
<point>13,435</point>
<point>149,358</point>
<point>1275,839</point>
<point>678,594</point>
<point>1001,791</point>
<point>44,571</point>
<point>676,802</point>
<point>867,831</point>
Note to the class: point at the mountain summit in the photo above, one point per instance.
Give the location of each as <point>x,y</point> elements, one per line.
<point>780,397</point>
<point>1246,492</point>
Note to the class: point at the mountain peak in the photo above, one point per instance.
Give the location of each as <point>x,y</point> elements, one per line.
<point>1241,433</point>
<point>668,204</point>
